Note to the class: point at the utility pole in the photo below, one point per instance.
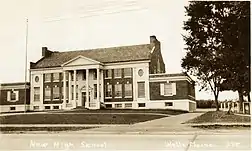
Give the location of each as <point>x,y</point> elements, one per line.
<point>26,44</point>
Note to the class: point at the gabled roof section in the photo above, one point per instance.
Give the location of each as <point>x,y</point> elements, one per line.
<point>102,55</point>
<point>80,60</point>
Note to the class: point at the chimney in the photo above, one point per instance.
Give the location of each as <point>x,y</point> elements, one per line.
<point>46,52</point>
<point>32,64</point>
<point>154,42</point>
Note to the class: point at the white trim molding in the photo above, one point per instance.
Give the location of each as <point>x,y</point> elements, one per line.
<point>82,57</point>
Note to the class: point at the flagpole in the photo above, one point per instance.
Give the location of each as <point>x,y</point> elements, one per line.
<point>26,44</point>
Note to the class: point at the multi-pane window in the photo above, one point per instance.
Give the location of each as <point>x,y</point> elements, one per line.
<point>141,89</point>
<point>167,89</point>
<point>48,77</point>
<point>118,105</point>
<point>108,90</point>
<point>13,96</point>
<point>128,90</point>
<point>83,75</point>
<point>72,90</point>
<point>36,94</point>
<point>72,76</point>
<point>67,76</point>
<point>12,108</point>
<point>168,104</point>
<point>108,73</point>
<point>77,92</point>
<point>95,75</point>
<point>117,73</point>
<point>56,93</point>
<point>47,93</point>
<point>56,76</point>
<point>128,105</point>
<point>95,91</point>
<point>118,90</point>
<point>67,92</point>
<point>127,72</point>
<point>62,93</point>
<point>141,104</point>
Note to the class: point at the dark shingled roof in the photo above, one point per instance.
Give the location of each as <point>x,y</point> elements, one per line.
<point>170,75</point>
<point>103,55</point>
<point>14,84</point>
<point>167,75</point>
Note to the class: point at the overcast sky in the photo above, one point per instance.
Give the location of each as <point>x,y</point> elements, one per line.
<point>66,25</point>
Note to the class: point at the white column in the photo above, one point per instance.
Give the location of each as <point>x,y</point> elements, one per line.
<point>102,87</point>
<point>233,109</point>
<point>243,107</point>
<point>64,90</point>
<point>75,104</point>
<point>147,85</point>
<point>87,88</point>
<point>238,107</point>
<point>69,87</point>
<point>98,89</point>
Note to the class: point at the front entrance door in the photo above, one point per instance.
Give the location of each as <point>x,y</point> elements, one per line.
<point>83,98</point>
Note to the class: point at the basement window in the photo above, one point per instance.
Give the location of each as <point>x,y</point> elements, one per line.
<point>118,105</point>
<point>108,105</point>
<point>141,104</point>
<point>55,107</point>
<point>47,107</point>
<point>168,104</point>
<point>12,108</point>
<point>128,105</point>
<point>35,107</point>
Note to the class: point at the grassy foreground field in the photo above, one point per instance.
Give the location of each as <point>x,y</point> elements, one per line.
<point>77,118</point>
<point>219,117</point>
<point>49,129</point>
<point>158,111</point>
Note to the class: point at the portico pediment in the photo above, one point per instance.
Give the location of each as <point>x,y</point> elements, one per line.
<point>79,61</point>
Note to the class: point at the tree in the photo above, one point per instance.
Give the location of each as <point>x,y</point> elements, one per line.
<point>236,38</point>
<point>203,58</point>
<point>218,46</point>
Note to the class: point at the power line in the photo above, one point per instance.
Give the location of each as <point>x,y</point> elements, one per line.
<point>26,47</point>
<point>122,8</point>
<point>87,16</point>
<point>88,10</point>
<point>108,4</point>
<point>108,9</point>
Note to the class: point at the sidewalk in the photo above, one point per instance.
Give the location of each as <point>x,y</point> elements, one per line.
<point>170,124</point>
<point>22,113</point>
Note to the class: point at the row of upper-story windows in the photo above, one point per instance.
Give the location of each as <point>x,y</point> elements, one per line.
<point>118,73</point>
<point>55,77</point>
<point>118,89</point>
<point>108,74</point>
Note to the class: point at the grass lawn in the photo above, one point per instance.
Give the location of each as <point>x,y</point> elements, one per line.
<point>77,118</point>
<point>159,111</point>
<point>217,126</point>
<point>53,129</point>
<point>219,117</point>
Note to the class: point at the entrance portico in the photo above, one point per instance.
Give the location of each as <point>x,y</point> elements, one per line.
<point>84,80</point>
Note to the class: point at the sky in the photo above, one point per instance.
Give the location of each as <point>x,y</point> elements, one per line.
<point>65,25</point>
